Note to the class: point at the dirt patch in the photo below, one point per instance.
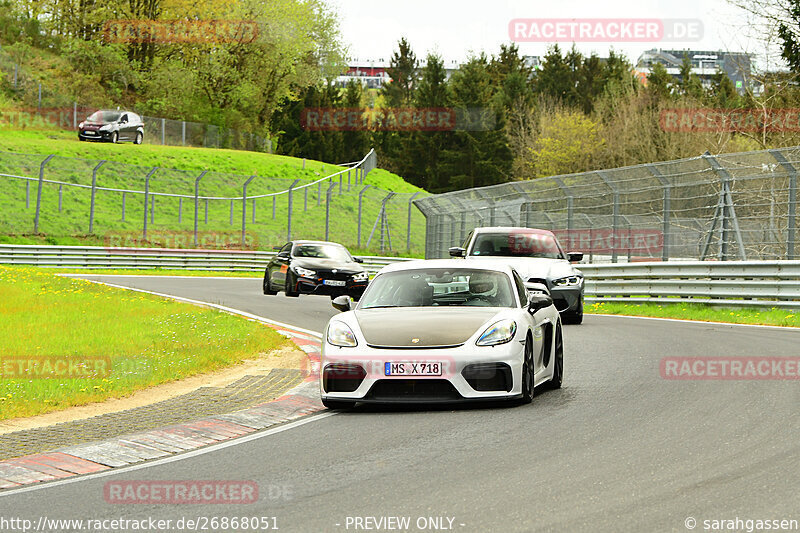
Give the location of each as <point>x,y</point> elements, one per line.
<point>288,357</point>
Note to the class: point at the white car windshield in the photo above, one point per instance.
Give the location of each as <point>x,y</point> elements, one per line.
<point>104,116</point>
<point>516,244</point>
<point>322,251</point>
<point>439,287</point>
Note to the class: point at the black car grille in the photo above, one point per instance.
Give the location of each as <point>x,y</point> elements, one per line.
<point>484,377</point>
<point>339,276</point>
<point>413,389</point>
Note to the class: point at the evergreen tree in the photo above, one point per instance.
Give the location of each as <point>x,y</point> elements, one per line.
<point>355,142</point>
<point>659,83</point>
<point>722,92</point>
<point>479,154</point>
<point>689,83</point>
<point>555,77</point>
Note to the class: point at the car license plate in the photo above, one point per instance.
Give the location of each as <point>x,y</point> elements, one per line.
<point>334,283</point>
<point>413,369</point>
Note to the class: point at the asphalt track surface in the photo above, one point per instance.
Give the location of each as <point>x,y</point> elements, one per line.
<point>618,448</point>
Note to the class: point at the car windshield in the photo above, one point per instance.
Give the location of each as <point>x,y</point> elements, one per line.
<point>516,244</point>
<point>104,116</point>
<point>323,251</point>
<point>439,287</point>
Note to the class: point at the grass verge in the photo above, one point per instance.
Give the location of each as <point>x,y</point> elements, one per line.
<point>147,341</point>
<point>700,312</point>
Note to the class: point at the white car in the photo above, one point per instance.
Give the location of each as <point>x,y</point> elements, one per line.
<point>442,330</point>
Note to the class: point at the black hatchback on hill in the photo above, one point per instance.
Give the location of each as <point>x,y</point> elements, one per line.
<point>112,126</point>
<point>315,267</point>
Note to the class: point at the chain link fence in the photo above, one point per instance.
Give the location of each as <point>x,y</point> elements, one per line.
<point>45,108</point>
<point>731,206</point>
<point>73,197</point>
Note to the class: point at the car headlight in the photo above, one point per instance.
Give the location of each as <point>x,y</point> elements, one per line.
<point>361,276</point>
<point>569,281</point>
<point>304,272</point>
<point>340,334</point>
<point>107,127</point>
<point>498,333</point>
<point>80,125</point>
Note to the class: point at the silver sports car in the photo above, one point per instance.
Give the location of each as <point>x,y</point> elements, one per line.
<point>441,331</point>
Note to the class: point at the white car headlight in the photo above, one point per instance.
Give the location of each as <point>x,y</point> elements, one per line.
<point>304,272</point>
<point>569,281</point>
<point>498,333</point>
<point>340,334</point>
<point>361,276</point>
<point>80,125</point>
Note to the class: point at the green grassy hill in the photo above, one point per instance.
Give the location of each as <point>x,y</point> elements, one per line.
<point>126,168</point>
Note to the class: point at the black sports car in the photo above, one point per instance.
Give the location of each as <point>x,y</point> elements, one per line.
<point>112,126</point>
<point>315,267</point>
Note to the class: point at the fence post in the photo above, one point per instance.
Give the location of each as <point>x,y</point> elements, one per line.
<point>27,194</point>
<point>146,197</point>
<point>60,195</point>
<point>253,210</point>
<point>183,132</point>
<point>726,209</point>
<point>94,190</point>
<point>274,201</point>
<point>360,197</point>
<point>180,209</point>
<point>163,131</point>
<point>667,199</point>
<point>289,216</point>
<point>196,199</point>
<point>39,192</point>
<point>408,230</point>
<point>570,202</point>
<point>231,220</point>
<point>328,209</point>
<point>615,220</point>
<point>791,228</point>
<point>244,209</point>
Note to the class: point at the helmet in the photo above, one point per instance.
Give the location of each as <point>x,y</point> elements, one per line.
<point>481,284</point>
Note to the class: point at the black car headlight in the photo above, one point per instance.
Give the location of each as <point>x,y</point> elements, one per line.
<point>569,281</point>
<point>361,277</point>
<point>303,272</point>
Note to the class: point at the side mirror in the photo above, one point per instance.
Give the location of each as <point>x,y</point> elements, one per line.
<point>457,251</point>
<point>341,303</point>
<point>574,257</point>
<point>537,302</point>
<point>358,260</point>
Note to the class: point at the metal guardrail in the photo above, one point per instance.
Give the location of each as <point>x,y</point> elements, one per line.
<point>97,257</point>
<point>726,283</point>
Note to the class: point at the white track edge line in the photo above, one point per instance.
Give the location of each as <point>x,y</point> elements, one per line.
<point>700,322</point>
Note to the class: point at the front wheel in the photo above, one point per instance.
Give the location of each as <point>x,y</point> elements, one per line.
<point>574,317</point>
<point>267,287</point>
<point>338,404</point>
<point>114,137</point>
<point>139,138</point>
<point>558,369</point>
<point>527,373</point>
<point>288,287</point>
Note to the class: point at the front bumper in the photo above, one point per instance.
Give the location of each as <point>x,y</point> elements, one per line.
<point>567,299</point>
<point>91,135</point>
<point>468,374</point>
